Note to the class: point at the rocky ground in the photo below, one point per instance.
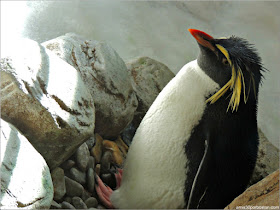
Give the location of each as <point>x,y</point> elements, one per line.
<point>69,110</point>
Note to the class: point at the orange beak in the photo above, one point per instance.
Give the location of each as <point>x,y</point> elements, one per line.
<point>202,38</point>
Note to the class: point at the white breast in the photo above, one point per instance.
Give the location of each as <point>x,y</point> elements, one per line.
<point>154,172</point>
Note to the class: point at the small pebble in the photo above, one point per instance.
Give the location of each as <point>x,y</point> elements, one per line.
<point>91,202</point>
<point>82,157</point>
<point>66,205</point>
<point>96,151</point>
<point>77,175</point>
<point>109,180</point>
<point>117,154</point>
<point>68,199</point>
<point>55,205</point>
<point>67,164</point>
<point>85,195</point>
<point>58,183</point>
<point>90,143</point>
<point>100,207</point>
<point>90,180</point>
<point>91,162</point>
<point>106,162</point>
<point>97,169</point>
<point>78,203</point>
<point>73,188</point>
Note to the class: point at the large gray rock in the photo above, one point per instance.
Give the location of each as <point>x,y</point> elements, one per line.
<point>25,176</point>
<point>46,99</point>
<point>148,78</point>
<point>105,74</point>
<point>267,161</point>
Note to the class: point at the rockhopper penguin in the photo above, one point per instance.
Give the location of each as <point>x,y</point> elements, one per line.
<point>197,145</point>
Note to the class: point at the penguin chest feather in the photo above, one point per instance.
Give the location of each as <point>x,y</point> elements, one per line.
<point>155,169</point>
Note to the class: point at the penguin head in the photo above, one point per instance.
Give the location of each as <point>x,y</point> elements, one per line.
<point>231,62</point>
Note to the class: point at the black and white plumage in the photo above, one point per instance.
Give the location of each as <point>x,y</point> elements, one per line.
<point>197,145</point>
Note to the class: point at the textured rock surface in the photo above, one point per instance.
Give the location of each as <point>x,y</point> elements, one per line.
<point>106,76</point>
<point>58,183</point>
<point>267,161</point>
<point>148,77</point>
<point>46,99</point>
<point>78,203</point>
<point>264,193</point>
<point>25,176</point>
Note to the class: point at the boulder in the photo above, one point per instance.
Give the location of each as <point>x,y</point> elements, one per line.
<point>46,99</point>
<point>25,177</point>
<point>267,161</point>
<point>106,76</point>
<point>148,78</point>
<point>263,194</point>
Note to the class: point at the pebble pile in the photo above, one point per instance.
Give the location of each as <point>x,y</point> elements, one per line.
<point>74,181</point>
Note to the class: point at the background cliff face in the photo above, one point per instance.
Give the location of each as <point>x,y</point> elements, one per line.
<point>158,30</point>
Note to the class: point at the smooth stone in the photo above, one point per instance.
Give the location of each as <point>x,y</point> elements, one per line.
<point>73,188</point>
<point>97,169</point>
<point>148,78</point>
<point>66,205</point>
<point>128,133</point>
<point>91,202</point>
<point>77,175</point>
<point>109,180</point>
<point>78,203</point>
<point>55,205</point>
<point>58,183</point>
<point>106,162</point>
<point>91,162</point>
<point>85,195</point>
<point>68,199</point>
<point>90,180</point>
<point>25,177</point>
<point>67,164</point>
<point>46,99</point>
<point>82,157</point>
<point>96,151</point>
<point>122,146</point>
<point>105,75</point>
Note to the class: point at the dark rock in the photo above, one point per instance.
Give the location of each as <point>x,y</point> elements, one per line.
<point>85,195</point>
<point>55,205</point>
<point>68,199</point>
<point>73,188</point>
<point>97,169</point>
<point>66,205</point>
<point>91,202</point>
<point>67,164</point>
<point>109,180</point>
<point>90,180</point>
<point>91,162</point>
<point>78,203</point>
<point>100,207</point>
<point>58,183</point>
<point>106,162</point>
<point>77,175</point>
<point>128,133</point>
<point>82,157</point>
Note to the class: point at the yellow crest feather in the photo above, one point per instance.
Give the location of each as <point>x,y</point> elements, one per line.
<point>235,84</point>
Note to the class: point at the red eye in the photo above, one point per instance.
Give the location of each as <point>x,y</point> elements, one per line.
<point>225,61</point>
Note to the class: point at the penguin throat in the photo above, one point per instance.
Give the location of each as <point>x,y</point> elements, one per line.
<point>234,84</point>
